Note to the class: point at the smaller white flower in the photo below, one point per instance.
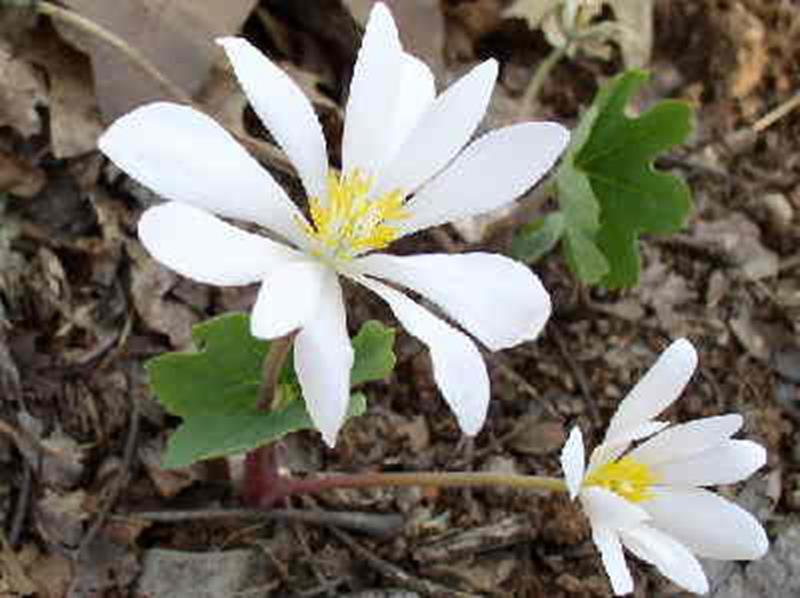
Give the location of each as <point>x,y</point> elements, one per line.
<point>651,499</point>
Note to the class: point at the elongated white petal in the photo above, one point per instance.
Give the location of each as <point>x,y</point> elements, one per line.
<point>202,247</point>
<point>707,524</point>
<point>441,131</point>
<point>500,301</point>
<point>415,94</point>
<point>287,299</point>
<point>573,461</point>
<point>611,510</point>
<point>458,367</point>
<point>727,463</point>
<point>284,110</point>
<point>684,440</point>
<point>494,170</point>
<point>323,358</point>
<point>611,451</point>
<point>607,542</point>
<point>184,155</point>
<point>373,92</point>
<point>671,558</point>
<point>657,390</point>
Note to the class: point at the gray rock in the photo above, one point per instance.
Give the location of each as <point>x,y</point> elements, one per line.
<point>179,574</point>
<point>777,575</point>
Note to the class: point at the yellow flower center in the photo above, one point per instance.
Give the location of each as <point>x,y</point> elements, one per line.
<point>627,477</point>
<point>349,221</point>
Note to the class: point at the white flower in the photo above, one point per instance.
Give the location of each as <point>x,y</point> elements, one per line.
<point>403,171</point>
<point>651,499</point>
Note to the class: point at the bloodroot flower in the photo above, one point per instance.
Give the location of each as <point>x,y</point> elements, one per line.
<point>403,171</point>
<point>652,499</point>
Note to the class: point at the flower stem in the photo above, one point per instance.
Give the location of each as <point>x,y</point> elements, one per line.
<point>530,99</point>
<point>450,479</point>
<point>263,481</point>
<point>279,350</point>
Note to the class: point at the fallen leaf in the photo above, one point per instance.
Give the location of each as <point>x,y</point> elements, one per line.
<point>635,17</point>
<point>13,578</point>
<point>737,240</point>
<point>168,482</point>
<point>748,36</point>
<point>21,93</point>
<point>150,284</point>
<point>176,36</point>
<point>74,118</point>
<point>18,177</point>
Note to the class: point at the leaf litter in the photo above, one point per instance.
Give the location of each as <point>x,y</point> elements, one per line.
<point>82,310</point>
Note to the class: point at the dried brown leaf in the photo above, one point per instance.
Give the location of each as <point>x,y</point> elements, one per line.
<point>21,92</point>
<point>176,36</point>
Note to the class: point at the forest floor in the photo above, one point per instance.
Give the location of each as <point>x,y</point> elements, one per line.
<point>83,307</point>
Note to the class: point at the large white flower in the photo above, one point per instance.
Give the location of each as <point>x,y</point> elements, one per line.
<point>403,171</point>
<point>651,499</point>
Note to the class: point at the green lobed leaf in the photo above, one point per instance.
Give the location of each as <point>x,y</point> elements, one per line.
<point>215,389</point>
<point>207,436</point>
<point>374,358</point>
<point>608,189</point>
<point>580,209</point>
<point>537,238</point>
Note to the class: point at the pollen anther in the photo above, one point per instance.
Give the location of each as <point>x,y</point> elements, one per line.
<point>348,221</point>
<point>626,477</point>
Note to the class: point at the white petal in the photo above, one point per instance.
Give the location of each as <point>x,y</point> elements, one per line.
<point>323,358</point>
<point>284,110</point>
<point>727,463</point>
<point>287,299</point>
<point>657,390</point>
<point>707,524</point>
<point>611,510</point>
<point>441,132</point>
<point>611,451</point>
<point>373,94</point>
<point>202,247</point>
<point>494,170</point>
<point>498,300</point>
<point>670,557</point>
<point>607,542</point>
<point>684,440</point>
<point>458,368</point>
<point>184,155</point>
<point>415,94</point>
<point>573,461</point>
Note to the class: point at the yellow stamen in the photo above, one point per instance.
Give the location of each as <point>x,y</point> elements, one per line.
<point>627,477</point>
<point>349,222</point>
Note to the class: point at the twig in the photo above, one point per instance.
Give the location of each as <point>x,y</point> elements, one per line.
<point>774,115</point>
<point>395,573</point>
<point>577,373</point>
<point>119,483</point>
<point>21,508</point>
<point>378,525</point>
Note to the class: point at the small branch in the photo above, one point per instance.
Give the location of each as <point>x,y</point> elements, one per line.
<point>776,114</point>
<point>378,525</point>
